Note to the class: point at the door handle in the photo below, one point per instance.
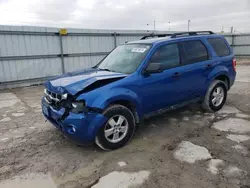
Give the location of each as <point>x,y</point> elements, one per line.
<point>176,74</point>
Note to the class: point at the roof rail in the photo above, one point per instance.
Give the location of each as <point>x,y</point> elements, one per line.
<point>154,36</point>
<point>174,35</point>
<point>191,33</point>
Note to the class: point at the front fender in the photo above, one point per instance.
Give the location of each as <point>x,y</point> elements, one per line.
<point>118,94</point>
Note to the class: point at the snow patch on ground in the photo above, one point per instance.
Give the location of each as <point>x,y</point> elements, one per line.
<point>122,163</point>
<point>16,133</point>
<point>4,139</point>
<point>240,149</point>
<point>242,115</point>
<point>172,120</point>
<point>17,114</point>
<point>122,179</point>
<point>238,138</point>
<point>233,125</point>
<point>185,118</point>
<point>190,152</point>
<point>197,116</point>
<point>214,164</point>
<point>8,99</point>
<point>31,180</point>
<point>233,171</point>
<point>5,119</point>
<point>228,110</point>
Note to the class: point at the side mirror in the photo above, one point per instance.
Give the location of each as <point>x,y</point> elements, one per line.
<point>153,68</point>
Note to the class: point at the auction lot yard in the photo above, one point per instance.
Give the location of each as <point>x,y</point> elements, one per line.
<point>183,148</point>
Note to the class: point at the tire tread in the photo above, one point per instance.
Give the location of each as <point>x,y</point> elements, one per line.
<point>99,138</point>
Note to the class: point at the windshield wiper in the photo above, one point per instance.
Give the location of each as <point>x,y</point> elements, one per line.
<point>106,70</point>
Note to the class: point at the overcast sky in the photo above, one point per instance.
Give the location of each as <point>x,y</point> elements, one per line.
<point>129,14</point>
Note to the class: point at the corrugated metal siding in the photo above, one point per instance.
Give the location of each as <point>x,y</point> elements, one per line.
<point>73,44</point>
<point>239,40</point>
<point>80,49</point>
<point>101,44</point>
<point>29,69</point>
<point>87,44</point>
<point>123,39</point>
<point>23,45</point>
<point>242,50</point>
<point>76,63</point>
<point>229,39</point>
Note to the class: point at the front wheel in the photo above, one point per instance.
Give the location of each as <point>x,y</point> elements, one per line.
<point>118,130</point>
<point>215,97</point>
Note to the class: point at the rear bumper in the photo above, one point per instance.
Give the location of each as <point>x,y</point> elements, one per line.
<point>232,80</point>
<point>79,128</point>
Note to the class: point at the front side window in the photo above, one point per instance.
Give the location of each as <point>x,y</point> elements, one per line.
<point>219,47</point>
<point>194,51</point>
<point>125,58</point>
<point>167,55</point>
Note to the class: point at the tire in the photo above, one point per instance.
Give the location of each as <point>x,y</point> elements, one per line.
<point>125,130</point>
<point>208,104</point>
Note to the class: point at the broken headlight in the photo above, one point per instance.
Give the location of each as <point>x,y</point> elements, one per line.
<point>78,106</point>
<point>65,96</point>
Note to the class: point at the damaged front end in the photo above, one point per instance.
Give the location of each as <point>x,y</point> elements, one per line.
<point>75,117</point>
<point>64,101</point>
<point>69,101</point>
<point>78,122</point>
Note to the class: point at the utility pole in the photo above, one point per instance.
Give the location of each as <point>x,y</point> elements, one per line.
<point>189,24</point>
<point>232,29</point>
<point>154,26</point>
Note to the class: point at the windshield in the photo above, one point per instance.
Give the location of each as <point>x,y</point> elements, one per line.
<point>125,58</point>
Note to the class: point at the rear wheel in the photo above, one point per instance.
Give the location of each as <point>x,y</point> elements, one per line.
<point>118,130</point>
<point>215,97</point>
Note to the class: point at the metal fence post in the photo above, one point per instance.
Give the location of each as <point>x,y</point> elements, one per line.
<point>115,42</point>
<point>62,58</point>
<point>233,41</point>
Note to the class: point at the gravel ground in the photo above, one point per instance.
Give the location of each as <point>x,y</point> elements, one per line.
<point>183,148</point>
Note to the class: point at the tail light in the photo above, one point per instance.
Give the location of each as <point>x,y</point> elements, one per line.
<point>234,64</point>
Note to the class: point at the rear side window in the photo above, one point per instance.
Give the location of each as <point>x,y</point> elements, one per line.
<point>194,51</point>
<point>219,46</point>
<point>167,55</point>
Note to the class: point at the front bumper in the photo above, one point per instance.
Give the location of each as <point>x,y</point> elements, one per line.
<point>79,128</point>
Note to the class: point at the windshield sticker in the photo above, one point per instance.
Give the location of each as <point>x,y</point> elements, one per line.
<point>139,50</point>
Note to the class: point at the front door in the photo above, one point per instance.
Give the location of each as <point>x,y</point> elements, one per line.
<point>160,90</point>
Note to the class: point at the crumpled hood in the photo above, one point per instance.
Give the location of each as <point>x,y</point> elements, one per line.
<point>76,81</point>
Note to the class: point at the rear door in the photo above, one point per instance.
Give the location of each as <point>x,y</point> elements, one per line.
<point>196,64</point>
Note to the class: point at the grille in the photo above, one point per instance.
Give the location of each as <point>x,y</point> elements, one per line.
<point>52,98</point>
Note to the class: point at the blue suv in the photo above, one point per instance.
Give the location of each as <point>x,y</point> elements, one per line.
<point>137,80</point>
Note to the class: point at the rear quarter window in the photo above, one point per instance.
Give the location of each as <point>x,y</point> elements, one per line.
<point>219,46</point>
